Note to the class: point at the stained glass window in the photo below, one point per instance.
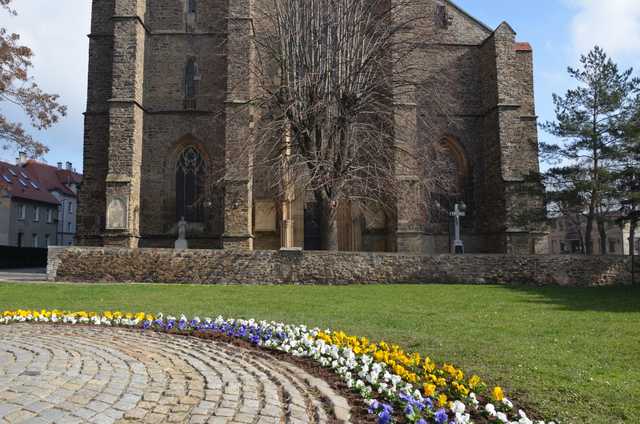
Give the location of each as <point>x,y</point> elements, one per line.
<point>190,179</point>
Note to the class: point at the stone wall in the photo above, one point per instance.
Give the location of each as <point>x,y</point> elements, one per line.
<point>77,264</point>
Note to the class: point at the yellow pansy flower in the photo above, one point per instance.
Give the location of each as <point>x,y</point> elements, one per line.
<point>442,400</point>
<point>474,382</point>
<point>429,389</point>
<point>497,394</point>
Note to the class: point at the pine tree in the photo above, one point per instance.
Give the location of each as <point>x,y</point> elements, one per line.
<point>628,177</point>
<point>592,121</point>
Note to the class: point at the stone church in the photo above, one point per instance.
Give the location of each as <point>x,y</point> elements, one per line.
<point>165,76</point>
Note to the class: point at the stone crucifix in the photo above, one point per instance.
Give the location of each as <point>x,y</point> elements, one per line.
<point>459,211</point>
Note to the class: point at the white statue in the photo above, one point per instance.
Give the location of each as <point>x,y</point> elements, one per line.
<point>181,243</point>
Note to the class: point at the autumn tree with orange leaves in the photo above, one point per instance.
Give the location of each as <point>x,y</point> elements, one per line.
<point>19,89</point>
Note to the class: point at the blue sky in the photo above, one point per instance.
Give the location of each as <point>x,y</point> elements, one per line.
<point>559,31</point>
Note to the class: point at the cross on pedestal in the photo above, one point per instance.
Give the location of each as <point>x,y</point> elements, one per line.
<point>459,211</point>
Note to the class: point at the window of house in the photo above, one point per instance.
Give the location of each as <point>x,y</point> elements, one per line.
<point>49,216</point>
<point>70,207</point>
<point>19,239</point>
<point>36,213</point>
<point>612,246</point>
<point>22,212</point>
<point>46,240</point>
<point>69,228</point>
<point>563,247</point>
<point>190,176</point>
<point>36,241</point>
<point>576,246</point>
<point>193,4</point>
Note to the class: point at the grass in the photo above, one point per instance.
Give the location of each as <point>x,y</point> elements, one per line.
<point>571,354</point>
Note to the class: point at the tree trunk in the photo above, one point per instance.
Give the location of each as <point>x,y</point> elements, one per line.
<point>328,214</point>
<point>588,234</point>
<point>602,230</point>
<point>632,236</point>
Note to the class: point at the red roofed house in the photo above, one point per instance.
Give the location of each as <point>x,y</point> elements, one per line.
<point>37,204</point>
<point>63,184</point>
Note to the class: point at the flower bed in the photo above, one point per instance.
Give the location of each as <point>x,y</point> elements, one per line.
<point>397,386</point>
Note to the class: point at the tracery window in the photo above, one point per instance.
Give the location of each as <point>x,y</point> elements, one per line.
<point>190,180</point>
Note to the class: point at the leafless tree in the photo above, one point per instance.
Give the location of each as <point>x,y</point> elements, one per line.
<point>332,79</point>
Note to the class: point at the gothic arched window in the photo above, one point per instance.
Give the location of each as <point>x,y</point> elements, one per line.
<point>190,83</point>
<point>190,185</point>
<point>450,171</point>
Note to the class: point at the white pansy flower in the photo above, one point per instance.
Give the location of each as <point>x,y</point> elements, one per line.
<point>491,410</point>
<point>462,418</point>
<point>458,407</point>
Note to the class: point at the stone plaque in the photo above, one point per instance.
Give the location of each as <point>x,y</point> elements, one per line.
<point>265,215</point>
<point>117,215</point>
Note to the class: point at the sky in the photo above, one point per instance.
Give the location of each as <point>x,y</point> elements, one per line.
<point>559,31</point>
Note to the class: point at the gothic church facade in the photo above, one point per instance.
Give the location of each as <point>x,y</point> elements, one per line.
<point>167,83</point>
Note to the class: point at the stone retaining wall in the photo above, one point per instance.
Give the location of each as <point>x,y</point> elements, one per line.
<point>82,264</point>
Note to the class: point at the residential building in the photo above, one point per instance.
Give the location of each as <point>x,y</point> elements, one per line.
<point>38,203</point>
<point>568,236</point>
<point>28,212</point>
<point>63,183</point>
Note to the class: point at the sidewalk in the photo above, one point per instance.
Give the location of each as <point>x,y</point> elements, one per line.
<point>23,275</point>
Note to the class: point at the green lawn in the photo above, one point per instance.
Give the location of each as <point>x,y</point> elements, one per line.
<point>572,354</point>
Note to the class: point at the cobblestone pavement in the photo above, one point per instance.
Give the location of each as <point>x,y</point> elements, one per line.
<point>67,374</point>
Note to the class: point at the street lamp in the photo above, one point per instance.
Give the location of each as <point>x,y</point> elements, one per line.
<point>459,210</point>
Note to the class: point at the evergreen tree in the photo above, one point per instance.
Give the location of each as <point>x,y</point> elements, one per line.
<point>593,120</point>
<point>628,177</point>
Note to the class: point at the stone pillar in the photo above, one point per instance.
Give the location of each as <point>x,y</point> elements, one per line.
<point>518,140</point>
<point>238,203</point>
<point>126,118</point>
<point>409,229</point>
<point>91,197</point>
<point>410,226</point>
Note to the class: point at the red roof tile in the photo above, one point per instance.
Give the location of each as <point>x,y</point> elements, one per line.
<point>20,183</point>
<point>523,47</point>
<point>53,178</point>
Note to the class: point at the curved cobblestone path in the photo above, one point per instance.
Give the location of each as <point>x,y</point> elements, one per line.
<point>66,374</point>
